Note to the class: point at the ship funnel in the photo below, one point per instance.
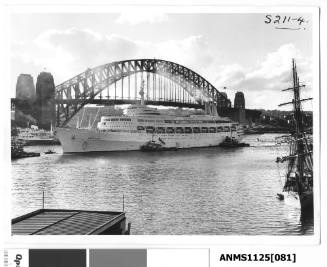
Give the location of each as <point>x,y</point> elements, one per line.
<point>210,108</point>
<point>206,108</point>
<point>214,110</point>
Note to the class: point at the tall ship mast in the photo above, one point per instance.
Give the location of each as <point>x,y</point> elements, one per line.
<point>299,176</point>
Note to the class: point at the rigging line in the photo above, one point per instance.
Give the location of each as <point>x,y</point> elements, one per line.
<point>308,159</point>
<point>309,166</point>
<point>310,153</point>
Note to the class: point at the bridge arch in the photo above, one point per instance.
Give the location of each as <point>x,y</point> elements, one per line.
<point>87,87</point>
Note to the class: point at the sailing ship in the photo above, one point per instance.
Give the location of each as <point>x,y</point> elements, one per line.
<point>299,176</point>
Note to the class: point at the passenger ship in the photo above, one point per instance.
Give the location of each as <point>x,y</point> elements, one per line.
<point>141,124</point>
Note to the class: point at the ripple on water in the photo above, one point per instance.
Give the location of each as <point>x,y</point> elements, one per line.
<point>196,191</point>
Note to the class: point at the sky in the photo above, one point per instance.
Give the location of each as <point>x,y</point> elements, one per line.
<point>237,51</point>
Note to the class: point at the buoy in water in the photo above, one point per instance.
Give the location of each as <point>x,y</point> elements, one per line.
<point>280,196</point>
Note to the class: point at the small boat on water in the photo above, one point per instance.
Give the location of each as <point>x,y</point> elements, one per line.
<point>280,196</point>
<point>49,152</point>
<point>155,146</point>
<point>232,142</point>
<point>299,176</point>
<point>151,146</point>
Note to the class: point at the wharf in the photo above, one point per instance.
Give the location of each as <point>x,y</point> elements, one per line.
<point>263,130</point>
<point>17,150</point>
<point>70,222</point>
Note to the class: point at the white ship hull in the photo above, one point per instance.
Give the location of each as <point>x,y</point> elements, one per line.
<point>89,140</point>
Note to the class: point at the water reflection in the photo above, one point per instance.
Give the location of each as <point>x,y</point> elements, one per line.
<point>307,222</point>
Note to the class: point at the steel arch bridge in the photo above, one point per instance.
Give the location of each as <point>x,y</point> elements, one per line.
<point>166,83</point>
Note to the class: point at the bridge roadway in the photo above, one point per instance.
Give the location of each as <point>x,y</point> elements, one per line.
<point>234,113</point>
<point>112,102</point>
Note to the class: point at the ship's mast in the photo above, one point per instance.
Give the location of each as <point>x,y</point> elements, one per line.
<point>297,103</point>
<point>298,127</point>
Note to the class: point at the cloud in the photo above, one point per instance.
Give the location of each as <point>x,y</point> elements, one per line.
<point>138,17</point>
<point>272,71</point>
<point>69,52</point>
<point>66,53</point>
<point>193,52</point>
<point>87,48</point>
<point>230,75</point>
<point>263,83</point>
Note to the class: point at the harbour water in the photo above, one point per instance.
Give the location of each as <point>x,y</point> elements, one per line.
<point>208,191</point>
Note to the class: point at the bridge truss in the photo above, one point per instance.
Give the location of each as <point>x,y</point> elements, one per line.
<point>166,83</point>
